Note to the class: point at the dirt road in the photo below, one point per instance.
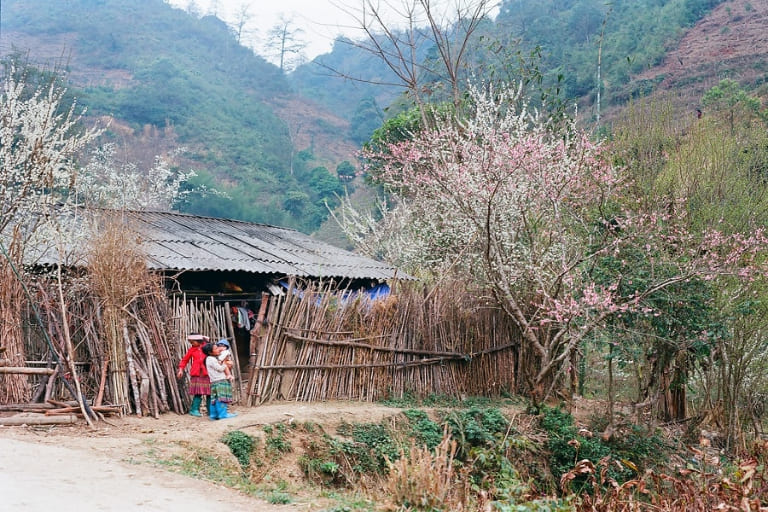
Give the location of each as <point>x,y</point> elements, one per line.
<point>106,468</point>
<point>38,477</point>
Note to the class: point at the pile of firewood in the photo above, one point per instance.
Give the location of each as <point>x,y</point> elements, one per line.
<point>134,372</point>
<point>53,412</point>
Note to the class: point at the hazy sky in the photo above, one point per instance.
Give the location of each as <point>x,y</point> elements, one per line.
<point>321,20</point>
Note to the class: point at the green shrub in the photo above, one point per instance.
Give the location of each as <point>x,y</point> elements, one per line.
<point>279,498</point>
<point>476,426</point>
<point>566,447</point>
<point>275,440</point>
<point>241,445</point>
<point>631,451</point>
<point>322,469</point>
<point>371,444</point>
<point>424,431</point>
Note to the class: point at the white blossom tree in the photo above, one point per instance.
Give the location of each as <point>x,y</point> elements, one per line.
<point>105,182</point>
<point>39,147</point>
<point>528,212</point>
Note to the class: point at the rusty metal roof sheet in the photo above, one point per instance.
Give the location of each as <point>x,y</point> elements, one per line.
<point>177,241</point>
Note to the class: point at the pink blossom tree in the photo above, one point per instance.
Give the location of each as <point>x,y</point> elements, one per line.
<point>527,210</point>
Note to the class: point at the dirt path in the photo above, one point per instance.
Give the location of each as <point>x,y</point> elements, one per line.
<point>42,477</point>
<point>112,467</point>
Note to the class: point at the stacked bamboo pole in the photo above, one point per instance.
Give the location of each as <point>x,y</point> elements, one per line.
<point>14,387</point>
<point>212,320</point>
<point>307,346</point>
<point>148,374</point>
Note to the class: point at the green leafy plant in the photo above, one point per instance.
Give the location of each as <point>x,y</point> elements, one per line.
<point>424,430</point>
<point>631,451</point>
<point>275,439</point>
<point>370,445</point>
<point>241,445</point>
<point>476,426</point>
<point>323,469</point>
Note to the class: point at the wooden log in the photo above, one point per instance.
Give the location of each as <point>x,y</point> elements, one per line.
<point>59,403</point>
<point>132,370</point>
<point>50,386</point>
<point>26,371</point>
<point>30,407</point>
<point>41,387</point>
<point>76,410</point>
<point>393,364</point>
<point>255,333</point>
<point>254,379</point>
<point>102,383</point>
<point>341,343</point>
<point>41,419</point>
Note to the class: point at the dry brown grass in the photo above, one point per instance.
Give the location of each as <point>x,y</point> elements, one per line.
<point>741,487</point>
<point>423,480</point>
<point>118,275</point>
<point>116,264</point>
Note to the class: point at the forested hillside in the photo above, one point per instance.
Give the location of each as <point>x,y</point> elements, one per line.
<point>269,145</point>
<point>607,259</point>
<point>168,80</point>
<point>562,38</point>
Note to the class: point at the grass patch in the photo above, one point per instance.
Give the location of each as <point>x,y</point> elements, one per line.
<point>632,451</point>
<point>279,498</point>
<point>276,441</point>
<point>241,445</point>
<point>205,465</point>
<point>410,400</point>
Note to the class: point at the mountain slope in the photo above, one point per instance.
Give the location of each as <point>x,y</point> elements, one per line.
<point>730,42</point>
<point>167,79</point>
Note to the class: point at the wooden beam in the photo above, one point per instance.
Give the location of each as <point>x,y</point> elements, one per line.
<point>27,371</point>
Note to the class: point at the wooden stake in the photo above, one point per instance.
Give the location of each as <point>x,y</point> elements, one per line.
<point>102,383</point>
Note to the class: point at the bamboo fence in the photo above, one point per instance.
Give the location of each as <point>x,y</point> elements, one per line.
<point>153,330</point>
<point>319,346</point>
<point>309,345</point>
<point>210,319</point>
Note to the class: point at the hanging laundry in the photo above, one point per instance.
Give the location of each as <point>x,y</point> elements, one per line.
<point>243,318</point>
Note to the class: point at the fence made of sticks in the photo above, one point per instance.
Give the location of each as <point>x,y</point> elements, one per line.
<point>212,319</point>
<point>125,359</point>
<point>134,375</point>
<point>318,344</point>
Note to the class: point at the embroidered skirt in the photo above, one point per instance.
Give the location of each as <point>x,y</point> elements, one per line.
<point>221,390</point>
<point>199,385</point>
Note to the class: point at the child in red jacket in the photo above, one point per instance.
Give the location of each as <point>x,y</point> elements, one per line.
<point>199,383</point>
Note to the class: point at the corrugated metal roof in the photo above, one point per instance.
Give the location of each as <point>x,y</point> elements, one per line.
<point>177,241</point>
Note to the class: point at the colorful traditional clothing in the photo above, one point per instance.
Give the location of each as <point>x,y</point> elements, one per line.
<point>199,385</point>
<point>221,387</point>
<point>199,382</point>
